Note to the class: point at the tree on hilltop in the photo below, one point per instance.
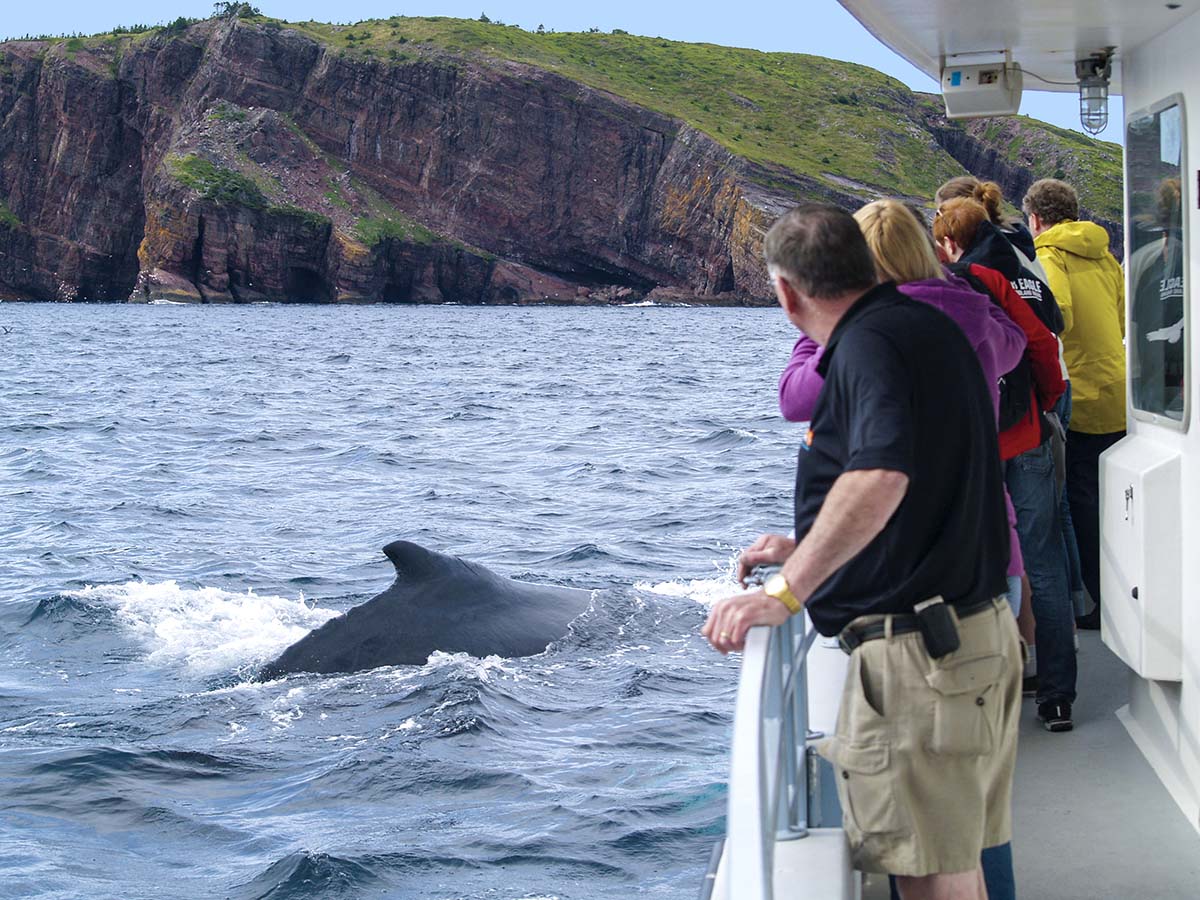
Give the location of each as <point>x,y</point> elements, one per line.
<point>231,10</point>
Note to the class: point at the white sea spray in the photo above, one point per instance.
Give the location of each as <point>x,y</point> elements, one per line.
<point>208,630</point>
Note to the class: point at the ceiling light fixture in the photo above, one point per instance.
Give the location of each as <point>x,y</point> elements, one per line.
<point>1093,74</point>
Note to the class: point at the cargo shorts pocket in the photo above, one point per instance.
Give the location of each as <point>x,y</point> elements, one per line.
<point>966,705</point>
<point>865,786</point>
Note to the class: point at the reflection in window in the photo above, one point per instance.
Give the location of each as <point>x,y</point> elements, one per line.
<point>1158,320</point>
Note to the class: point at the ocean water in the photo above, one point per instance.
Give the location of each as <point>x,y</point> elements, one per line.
<point>186,491</point>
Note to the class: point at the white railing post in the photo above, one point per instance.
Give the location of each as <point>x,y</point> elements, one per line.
<point>768,781</point>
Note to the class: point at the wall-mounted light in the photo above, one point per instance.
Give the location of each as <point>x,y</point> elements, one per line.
<point>1094,73</point>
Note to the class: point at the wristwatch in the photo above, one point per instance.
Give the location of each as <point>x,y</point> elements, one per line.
<point>778,588</point>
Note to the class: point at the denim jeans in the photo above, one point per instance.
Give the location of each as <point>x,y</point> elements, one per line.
<point>1030,480</point>
<point>1074,569</point>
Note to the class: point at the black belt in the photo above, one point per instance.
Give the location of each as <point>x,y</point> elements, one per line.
<point>853,636</point>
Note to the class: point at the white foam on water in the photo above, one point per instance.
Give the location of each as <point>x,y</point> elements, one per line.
<point>285,710</point>
<point>472,665</point>
<point>705,591</point>
<point>208,630</point>
<point>408,725</point>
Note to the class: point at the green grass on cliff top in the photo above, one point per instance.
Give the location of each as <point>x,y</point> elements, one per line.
<point>831,119</point>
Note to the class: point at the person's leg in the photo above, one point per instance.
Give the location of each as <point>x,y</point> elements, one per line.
<point>1030,479</point>
<point>1074,572</point>
<point>1028,631</point>
<point>1025,623</point>
<point>955,886</point>
<point>1014,594</point>
<point>996,870</point>
<point>1083,491</point>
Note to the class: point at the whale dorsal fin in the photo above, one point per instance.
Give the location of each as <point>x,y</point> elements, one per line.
<point>413,561</point>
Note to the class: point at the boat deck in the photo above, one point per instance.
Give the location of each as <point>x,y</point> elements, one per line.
<point>1091,819</point>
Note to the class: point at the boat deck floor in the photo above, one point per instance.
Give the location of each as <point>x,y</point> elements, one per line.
<point>1091,820</point>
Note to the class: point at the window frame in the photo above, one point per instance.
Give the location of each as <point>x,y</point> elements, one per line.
<point>1141,415</point>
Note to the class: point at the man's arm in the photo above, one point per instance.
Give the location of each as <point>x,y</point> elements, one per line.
<point>858,506</point>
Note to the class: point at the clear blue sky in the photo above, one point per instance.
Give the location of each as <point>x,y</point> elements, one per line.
<point>807,26</point>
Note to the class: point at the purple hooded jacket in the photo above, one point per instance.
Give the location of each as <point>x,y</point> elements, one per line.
<point>995,338</point>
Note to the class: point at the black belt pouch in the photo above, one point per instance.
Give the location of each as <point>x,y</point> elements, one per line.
<point>938,627</point>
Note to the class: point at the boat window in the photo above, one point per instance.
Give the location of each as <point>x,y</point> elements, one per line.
<point>1158,321</point>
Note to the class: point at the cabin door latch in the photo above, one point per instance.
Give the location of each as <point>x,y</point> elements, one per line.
<point>1128,501</point>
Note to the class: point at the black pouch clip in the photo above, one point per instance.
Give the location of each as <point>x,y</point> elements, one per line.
<point>938,627</point>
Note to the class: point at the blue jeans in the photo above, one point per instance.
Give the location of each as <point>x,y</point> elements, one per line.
<point>1074,569</point>
<point>1030,480</point>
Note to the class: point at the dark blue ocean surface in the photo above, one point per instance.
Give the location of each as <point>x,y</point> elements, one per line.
<point>186,491</point>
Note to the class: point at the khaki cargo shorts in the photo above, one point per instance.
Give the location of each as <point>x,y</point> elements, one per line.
<point>925,749</point>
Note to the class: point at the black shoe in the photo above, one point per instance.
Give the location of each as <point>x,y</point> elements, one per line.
<point>1029,685</point>
<point>1055,716</point>
<point>1090,622</point>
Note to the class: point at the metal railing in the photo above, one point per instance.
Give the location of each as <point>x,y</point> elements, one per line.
<point>768,779</point>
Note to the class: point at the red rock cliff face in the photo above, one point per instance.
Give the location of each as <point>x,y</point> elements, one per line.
<point>523,185</point>
<point>498,182</point>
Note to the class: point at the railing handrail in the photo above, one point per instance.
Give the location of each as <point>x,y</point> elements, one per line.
<point>768,787</point>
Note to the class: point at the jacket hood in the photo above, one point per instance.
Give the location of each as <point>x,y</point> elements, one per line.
<point>1018,235</point>
<point>958,300</point>
<point>1086,239</point>
<point>992,249</point>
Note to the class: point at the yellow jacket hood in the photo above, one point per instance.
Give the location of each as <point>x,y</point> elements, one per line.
<point>1086,239</point>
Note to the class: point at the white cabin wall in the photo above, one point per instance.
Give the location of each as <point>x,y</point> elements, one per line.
<point>1167,715</point>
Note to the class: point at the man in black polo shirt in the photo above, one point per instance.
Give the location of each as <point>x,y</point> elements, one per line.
<point>899,500</point>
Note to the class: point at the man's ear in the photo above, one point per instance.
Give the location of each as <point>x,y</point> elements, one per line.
<point>787,295</point>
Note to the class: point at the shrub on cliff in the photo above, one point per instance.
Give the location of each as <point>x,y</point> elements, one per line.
<point>223,186</point>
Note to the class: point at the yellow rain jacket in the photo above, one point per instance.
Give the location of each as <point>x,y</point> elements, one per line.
<point>1090,289</point>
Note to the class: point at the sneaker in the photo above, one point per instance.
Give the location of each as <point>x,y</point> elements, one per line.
<point>1055,716</point>
<point>1029,685</point>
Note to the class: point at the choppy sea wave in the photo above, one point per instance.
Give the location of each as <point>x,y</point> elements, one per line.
<point>186,491</point>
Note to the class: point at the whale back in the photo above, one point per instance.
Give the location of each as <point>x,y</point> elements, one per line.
<point>437,602</point>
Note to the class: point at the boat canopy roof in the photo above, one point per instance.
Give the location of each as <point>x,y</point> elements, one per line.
<point>1044,36</point>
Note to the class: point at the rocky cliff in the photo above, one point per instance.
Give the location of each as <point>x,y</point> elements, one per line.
<point>243,160</point>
